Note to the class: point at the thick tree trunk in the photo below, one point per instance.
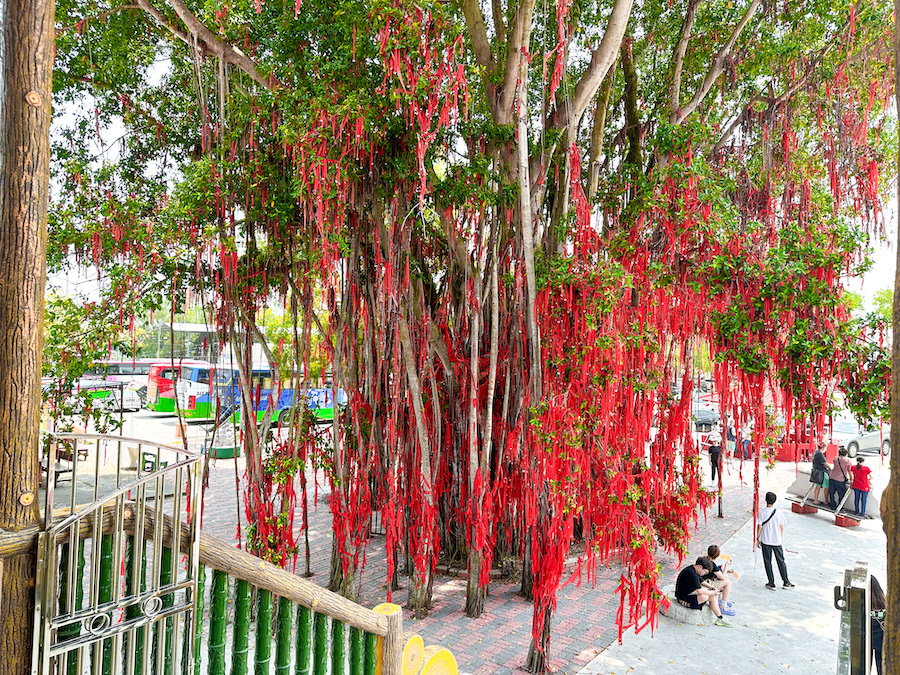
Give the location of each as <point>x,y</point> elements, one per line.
<point>339,581</point>
<point>890,502</point>
<point>538,656</point>
<point>527,588</point>
<point>475,592</point>
<point>419,598</point>
<point>25,91</point>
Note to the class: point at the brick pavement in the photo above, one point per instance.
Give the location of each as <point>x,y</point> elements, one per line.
<point>497,641</point>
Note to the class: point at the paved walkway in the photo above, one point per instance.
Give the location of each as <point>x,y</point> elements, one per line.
<point>584,623</point>
<point>782,631</point>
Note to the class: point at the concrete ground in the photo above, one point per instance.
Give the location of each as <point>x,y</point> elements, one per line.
<point>782,631</point>
<point>785,631</point>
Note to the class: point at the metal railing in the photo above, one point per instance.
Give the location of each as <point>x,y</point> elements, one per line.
<point>107,601</point>
<point>128,584</point>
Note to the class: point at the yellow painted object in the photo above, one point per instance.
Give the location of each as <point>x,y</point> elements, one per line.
<point>413,653</point>
<point>438,661</point>
<point>385,608</point>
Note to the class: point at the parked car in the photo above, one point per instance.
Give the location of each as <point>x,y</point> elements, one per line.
<point>873,439</point>
<point>705,420</point>
<point>842,430</point>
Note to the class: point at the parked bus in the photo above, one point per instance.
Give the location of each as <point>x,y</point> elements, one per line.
<point>161,383</point>
<point>204,392</point>
<point>133,373</point>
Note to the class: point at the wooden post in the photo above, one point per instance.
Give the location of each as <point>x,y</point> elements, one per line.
<point>28,36</point>
<point>392,643</point>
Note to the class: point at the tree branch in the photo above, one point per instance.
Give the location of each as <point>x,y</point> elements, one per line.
<point>519,39</point>
<point>680,51</point>
<point>101,15</point>
<point>597,132</point>
<point>773,103</point>
<point>601,60</point>
<point>229,53</point>
<point>481,44</point>
<point>499,26</point>
<point>716,69</point>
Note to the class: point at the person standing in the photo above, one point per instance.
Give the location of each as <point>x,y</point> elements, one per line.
<point>862,483</point>
<point>820,468</point>
<point>714,443</point>
<point>769,533</point>
<point>730,441</point>
<point>837,479</point>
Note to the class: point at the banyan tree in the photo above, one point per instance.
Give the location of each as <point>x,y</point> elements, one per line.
<point>519,229</point>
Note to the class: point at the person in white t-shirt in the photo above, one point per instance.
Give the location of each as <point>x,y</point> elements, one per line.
<point>769,533</point>
<point>714,445</point>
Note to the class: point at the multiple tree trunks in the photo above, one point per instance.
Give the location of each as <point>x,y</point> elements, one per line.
<point>480,407</point>
<point>25,91</point>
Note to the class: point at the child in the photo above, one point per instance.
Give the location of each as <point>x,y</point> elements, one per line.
<point>861,486</point>
<point>718,579</point>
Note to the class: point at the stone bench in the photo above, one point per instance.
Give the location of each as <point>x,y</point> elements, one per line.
<point>682,614</point>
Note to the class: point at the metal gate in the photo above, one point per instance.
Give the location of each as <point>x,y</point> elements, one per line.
<point>118,558</point>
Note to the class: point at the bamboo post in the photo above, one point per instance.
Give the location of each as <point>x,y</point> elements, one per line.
<point>241,638</point>
<point>106,592</point>
<point>198,618</point>
<point>370,656</point>
<point>67,558</point>
<point>166,578</point>
<point>135,582</point>
<point>337,648</point>
<point>304,640</point>
<point>217,622</point>
<point>357,651</point>
<point>263,632</point>
<point>320,644</point>
<point>283,637</point>
<point>392,643</point>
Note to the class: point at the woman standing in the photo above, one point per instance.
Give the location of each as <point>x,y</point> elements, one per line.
<point>861,486</point>
<point>837,479</point>
<point>820,467</point>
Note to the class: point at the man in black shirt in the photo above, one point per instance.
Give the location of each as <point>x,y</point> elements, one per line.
<point>691,593</point>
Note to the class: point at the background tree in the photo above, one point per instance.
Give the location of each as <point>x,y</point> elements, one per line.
<point>27,67</point>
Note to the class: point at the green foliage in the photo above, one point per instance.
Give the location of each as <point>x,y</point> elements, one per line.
<point>884,304</point>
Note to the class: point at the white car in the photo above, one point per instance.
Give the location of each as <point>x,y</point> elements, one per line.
<point>843,429</point>
<point>872,439</point>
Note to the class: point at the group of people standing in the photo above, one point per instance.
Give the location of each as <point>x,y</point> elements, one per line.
<point>839,477</point>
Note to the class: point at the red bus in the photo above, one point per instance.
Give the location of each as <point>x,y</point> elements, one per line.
<point>161,383</point>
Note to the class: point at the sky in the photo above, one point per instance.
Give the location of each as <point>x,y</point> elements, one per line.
<point>884,256</point>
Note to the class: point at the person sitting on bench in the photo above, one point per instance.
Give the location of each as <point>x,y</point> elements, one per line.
<point>718,580</point>
<point>691,593</point>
